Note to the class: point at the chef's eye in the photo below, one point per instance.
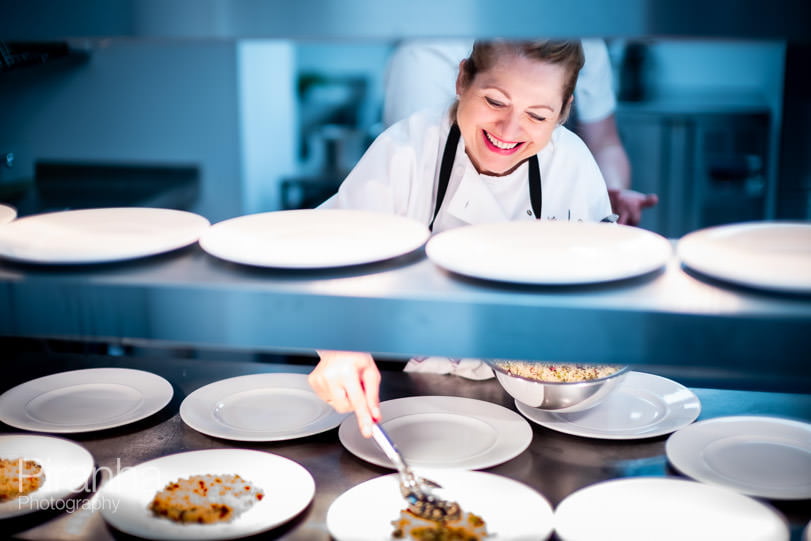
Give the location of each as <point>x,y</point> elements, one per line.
<point>536,118</point>
<point>494,103</point>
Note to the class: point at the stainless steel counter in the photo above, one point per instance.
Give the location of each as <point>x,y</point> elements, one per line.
<point>671,318</point>
<point>555,464</point>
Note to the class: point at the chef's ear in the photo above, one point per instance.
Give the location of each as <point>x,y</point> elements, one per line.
<point>461,78</point>
<point>564,114</point>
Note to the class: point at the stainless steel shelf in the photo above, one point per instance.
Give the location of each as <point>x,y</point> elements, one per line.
<point>408,306</point>
<point>366,19</point>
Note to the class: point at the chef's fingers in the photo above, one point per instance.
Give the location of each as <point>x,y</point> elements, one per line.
<point>357,401</point>
<point>370,378</point>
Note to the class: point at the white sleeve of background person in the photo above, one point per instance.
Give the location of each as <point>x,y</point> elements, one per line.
<point>594,94</point>
<point>421,74</point>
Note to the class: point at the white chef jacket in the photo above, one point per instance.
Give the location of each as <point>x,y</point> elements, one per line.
<point>422,74</point>
<point>399,174</point>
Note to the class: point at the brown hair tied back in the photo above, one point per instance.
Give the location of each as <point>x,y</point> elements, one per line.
<point>566,53</point>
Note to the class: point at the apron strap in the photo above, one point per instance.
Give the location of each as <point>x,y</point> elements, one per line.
<point>445,167</point>
<point>448,156</point>
<point>535,192</point>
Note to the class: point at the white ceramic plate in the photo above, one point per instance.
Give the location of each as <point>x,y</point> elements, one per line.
<point>98,235</point>
<point>543,252</point>
<point>313,238</point>
<point>642,406</point>
<point>259,407</point>
<point>511,510</point>
<point>287,486</point>
<point>443,432</point>
<point>665,509</point>
<point>84,400</point>
<point>67,467</point>
<point>767,255</point>
<point>7,213</point>
<point>761,456</point>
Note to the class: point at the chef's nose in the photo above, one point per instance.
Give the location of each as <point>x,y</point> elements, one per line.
<point>511,127</point>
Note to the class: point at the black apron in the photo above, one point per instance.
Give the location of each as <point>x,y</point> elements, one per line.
<point>445,167</point>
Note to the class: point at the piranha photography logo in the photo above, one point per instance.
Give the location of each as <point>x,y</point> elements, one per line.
<point>38,488</point>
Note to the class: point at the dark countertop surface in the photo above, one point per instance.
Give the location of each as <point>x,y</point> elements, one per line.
<point>555,464</point>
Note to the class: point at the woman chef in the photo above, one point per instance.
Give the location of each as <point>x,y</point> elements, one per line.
<point>499,154</point>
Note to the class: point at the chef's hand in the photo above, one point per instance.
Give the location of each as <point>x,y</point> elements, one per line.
<point>629,204</point>
<point>349,381</point>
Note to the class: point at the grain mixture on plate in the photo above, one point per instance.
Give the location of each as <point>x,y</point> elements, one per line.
<point>557,372</point>
<point>457,526</point>
<point>205,499</point>
<point>19,477</point>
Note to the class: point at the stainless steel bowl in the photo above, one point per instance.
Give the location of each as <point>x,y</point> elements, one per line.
<point>559,396</point>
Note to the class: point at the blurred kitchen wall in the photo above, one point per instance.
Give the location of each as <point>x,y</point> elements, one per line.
<point>224,107</point>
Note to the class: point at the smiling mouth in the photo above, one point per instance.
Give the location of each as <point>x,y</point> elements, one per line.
<point>498,144</point>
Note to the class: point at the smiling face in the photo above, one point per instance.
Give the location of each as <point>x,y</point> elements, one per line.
<point>508,112</point>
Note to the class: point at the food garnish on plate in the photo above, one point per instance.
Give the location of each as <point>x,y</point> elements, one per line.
<point>19,477</point>
<point>453,525</point>
<point>205,499</point>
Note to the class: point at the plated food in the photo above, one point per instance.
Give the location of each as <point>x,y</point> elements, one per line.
<point>133,501</point>
<point>509,509</point>
<point>19,477</point>
<point>51,468</point>
<point>205,499</point>
<point>460,526</point>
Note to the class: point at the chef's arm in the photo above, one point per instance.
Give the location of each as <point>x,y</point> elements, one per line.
<point>349,381</point>
<point>603,140</point>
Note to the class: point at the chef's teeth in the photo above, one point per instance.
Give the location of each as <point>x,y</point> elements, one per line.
<point>499,144</point>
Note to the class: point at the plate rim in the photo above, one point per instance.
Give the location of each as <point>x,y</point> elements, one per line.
<point>8,213</point>
<point>308,492</point>
<point>201,223</point>
<point>687,244</point>
<point>438,241</point>
<point>86,465</point>
<point>191,401</point>
<point>664,480</point>
<point>161,394</point>
<point>363,449</point>
<point>560,425</point>
<point>675,443</point>
<point>208,240</point>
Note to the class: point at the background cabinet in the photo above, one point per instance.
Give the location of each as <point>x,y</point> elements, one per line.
<point>708,168</point>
